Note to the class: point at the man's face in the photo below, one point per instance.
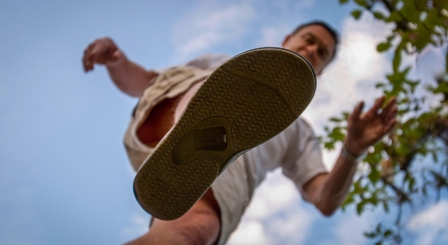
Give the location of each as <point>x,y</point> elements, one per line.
<point>314,43</point>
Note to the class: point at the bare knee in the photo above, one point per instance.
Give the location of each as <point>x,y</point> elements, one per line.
<point>200,225</point>
<point>197,226</point>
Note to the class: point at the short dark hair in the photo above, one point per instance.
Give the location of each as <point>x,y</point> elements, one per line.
<point>334,34</point>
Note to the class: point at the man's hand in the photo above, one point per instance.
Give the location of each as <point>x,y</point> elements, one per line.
<point>364,130</point>
<point>128,76</point>
<point>101,51</point>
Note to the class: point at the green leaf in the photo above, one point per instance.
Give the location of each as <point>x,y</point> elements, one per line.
<point>380,85</point>
<point>363,3</point>
<point>420,3</point>
<point>413,85</point>
<point>404,101</point>
<point>337,134</point>
<point>329,145</point>
<point>405,72</point>
<point>434,156</point>
<point>379,15</point>
<point>335,119</point>
<point>370,234</point>
<point>396,79</point>
<point>373,201</point>
<point>383,47</point>
<point>360,207</point>
<point>349,199</point>
<point>394,17</point>
<point>356,14</point>
<point>410,11</point>
<point>388,233</point>
<point>423,37</point>
<point>373,158</point>
<point>390,38</point>
<point>411,184</point>
<point>430,88</point>
<point>374,175</point>
<point>386,206</point>
<point>397,59</point>
<point>446,63</point>
<point>441,4</point>
<point>378,228</point>
<point>357,186</point>
<point>343,1</point>
<point>442,88</point>
<point>433,17</point>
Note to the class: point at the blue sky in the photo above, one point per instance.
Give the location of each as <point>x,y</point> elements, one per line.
<point>64,175</point>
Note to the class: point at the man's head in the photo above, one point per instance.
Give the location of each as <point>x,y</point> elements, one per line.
<point>316,41</point>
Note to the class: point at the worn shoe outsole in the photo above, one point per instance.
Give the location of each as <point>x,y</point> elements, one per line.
<point>245,102</point>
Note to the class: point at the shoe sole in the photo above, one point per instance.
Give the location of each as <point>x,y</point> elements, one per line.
<point>245,102</point>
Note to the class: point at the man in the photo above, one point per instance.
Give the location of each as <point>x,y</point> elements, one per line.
<point>216,214</point>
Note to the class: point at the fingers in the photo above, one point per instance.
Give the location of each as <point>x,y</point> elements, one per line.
<point>374,110</point>
<point>389,126</point>
<point>389,104</point>
<point>389,115</point>
<point>87,58</point>
<point>357,111</point>
<point>100,51</point>
<point>116,54</point>
<point>390,110</point>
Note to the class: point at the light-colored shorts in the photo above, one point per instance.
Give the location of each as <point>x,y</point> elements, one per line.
<point>231,188</point>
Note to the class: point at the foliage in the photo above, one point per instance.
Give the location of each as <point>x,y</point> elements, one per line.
<point>422,129</point>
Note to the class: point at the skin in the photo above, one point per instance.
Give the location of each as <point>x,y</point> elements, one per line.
<point>129,77</point>
<point>201,224</point>
<point>314,43</point>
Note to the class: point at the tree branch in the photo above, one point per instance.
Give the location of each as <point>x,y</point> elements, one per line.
<point>402,196</point>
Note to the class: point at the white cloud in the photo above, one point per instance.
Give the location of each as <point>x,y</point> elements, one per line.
<point>431,61</point>
<point>351,229</point>
<point>293,228</point>
<point>250,232</point>
<point>429,65</point>
<point>431,221</point>
<point>275,197</point>
<point>211,23</point>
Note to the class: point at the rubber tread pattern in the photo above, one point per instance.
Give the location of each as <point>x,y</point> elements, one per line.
<point>260,92</point>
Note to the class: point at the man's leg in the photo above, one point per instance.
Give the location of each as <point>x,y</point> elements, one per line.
<point>201,224</point>
<point>163,116</point>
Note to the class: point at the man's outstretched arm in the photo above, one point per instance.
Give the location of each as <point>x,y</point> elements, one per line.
<point>128,76</point>
<point>328,191</point>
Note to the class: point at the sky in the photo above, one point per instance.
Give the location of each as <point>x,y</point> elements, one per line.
<point>65,177</point>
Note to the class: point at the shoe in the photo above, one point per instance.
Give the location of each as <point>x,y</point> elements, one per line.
<point>246,101</point>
